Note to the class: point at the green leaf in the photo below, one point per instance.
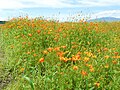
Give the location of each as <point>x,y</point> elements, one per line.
<point>91,88</point>
<point>30,82</point>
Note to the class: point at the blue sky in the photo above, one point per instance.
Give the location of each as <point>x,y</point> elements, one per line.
<point>59,9</point>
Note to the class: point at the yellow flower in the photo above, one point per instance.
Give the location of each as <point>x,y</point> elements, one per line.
<point>89,54</point>
<point>94,56</point>
<point>86,59</point>
<point>45,52</point>
<point>75,67</point>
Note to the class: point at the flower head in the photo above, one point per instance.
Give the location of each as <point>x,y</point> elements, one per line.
<point>22,69</point>
<point>75,67</point>
<point>30,35</point>
<point>97,84</point>
<point>38,31</point>
<point>41,60</point>
<point>84,73</point>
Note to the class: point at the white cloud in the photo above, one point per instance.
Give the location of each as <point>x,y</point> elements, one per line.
<point>92,3</point>
<point>15,4</point>
<point>6,4</point>
<point>109,13</point>
<point>11,5</point>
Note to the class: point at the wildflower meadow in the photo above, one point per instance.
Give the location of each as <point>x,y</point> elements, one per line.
<point>51,55</point>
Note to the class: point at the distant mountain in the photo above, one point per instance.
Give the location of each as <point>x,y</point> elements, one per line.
<point>107,19</point>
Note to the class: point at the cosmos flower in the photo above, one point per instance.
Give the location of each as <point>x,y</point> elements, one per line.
<point>41,60</point>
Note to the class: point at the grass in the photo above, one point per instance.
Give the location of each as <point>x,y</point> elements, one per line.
<point>42,55</point>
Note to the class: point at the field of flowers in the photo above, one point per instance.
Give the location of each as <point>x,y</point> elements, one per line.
<point>52,55</point>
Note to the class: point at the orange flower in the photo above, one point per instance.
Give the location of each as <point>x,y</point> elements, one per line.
<point>60,54</point>
<point>98,50</point>
<point>50,49</point>
<point>106,57</point>
<point>57,48</point>
<point>41,60</point>
<point>84,73</point>
<point>63,47</point>
<point>34,55</point>
<point>76,57</point>
<point>86,52</point>
<point>117,57</point>
<point>92,70</point>
<point>30,35</point>
<point>87,65</point>
<point>28,52</point>
<point>105,49</point>
<point>49,32</point>
<point>22,69</point>
<point>29,43</point>
<point>75,46</point>
<point>63,59</point>
<point>116,53</point>
<point>23,43</point>
<point>38,31</point>
<point>61,73</point>
<point>56,39</point>
<point>12,46</point>
<point>114,62</point>
<point>78,53</point>
<point>90,66</point>
<point>33,50</point>
<point>97,84</point>
<point>107,66</point>
<point>75,67</point>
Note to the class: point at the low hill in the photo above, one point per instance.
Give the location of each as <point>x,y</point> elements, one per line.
<point>107,19</point>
